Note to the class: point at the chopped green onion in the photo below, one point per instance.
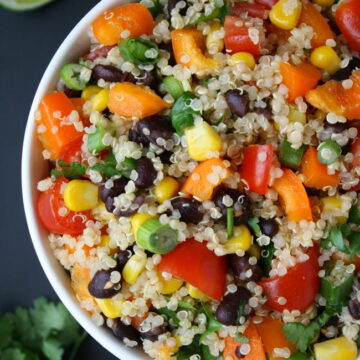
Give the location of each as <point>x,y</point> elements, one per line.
<point>289,156</point>
<point>75,76</point>
<point>173,86</point>
<point>71,170</point>
<point>95,140</point>
<point>328,152</point>
<point>156,237</point>
<point>106,170</point>
<point>127,166</point>
<point>230,222</point>
<point>139,51</point>
<point>254,225</point>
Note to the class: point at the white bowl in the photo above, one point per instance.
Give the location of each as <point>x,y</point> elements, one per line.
<point>34,168</point>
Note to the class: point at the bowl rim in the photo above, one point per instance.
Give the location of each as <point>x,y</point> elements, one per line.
<point>29,191</point>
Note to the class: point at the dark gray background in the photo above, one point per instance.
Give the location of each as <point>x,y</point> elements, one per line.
<point>27,43</point>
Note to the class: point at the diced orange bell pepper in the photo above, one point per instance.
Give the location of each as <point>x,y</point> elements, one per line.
<point>189,46</point>
<point>315,173</point>
<point>257,349</point>
<point>80,278</point>
<point>299,79</point>
<point>57,132</point>
<point>79,103</point>
<point>312,17</point>
<point>108,27</point>
<point>294,197</point>
<point>205,178</point>
<point>273,337</point>
<point>332,97</point>
<point>130,100</point>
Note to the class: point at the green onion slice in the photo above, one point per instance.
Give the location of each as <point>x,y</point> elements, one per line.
<point>173,86</point>
<point>328,152</point>
<point>75,76</point>
<point>230,222</point>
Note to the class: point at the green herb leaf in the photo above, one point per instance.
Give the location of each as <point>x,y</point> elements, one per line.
<point>106,170</point>
<point>299,356</point>
<point>254,225</point>
<point>185,352</point>
<point>136,50</point>
<point>185,305</point>
<point>336,237</point>
<point>354,244</point>
<point>212,324</point>
<point>13,354</point>
<point>52,348</point>
<point>156,9</point>
<point>219,12</point>
<point>170,314</point>
<point>241,339</point>
<point>266,256</point>
<point>71,170</point>
<point>6,330</point>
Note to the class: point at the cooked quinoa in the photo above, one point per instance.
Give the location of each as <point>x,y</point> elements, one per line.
<point>203,183</point>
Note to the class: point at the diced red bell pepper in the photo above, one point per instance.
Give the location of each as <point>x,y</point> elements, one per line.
<point>237,38</point>
<point>253,10</point>
<point>194,263</point>
<point>256,166</point>
<point>299,286</point>
<point>268,3</point>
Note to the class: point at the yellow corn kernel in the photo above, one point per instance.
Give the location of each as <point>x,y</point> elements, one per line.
<point>255,251</point>
<point>105,240</point>
<point>296,116</point>
<point>340,348</point>
<point>215,40</point>
<point>326,58</point>
<point>332,203</point>
<point>242,240</point>
<point>244,57</point>
<point>202,141</point>
<point>90,91</point>
<point>111,308</point>
<point>285,14</point>
<point>81,195</point>
<point>195,293</point>
<point>326,3</point>
<point>138,219</point>
<point>170,286</point>
<point>101,214</point>
<point>166,189</point>
<point>99,102</point>
<point>133,268</point>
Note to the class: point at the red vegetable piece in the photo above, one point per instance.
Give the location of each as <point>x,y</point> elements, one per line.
<point>100,52</point>
<point>194,263</point>
<point>253,10</point>
<point>299,286</point>
<point>256,166</point>
<point>72,152</point>
<point>268,3</point>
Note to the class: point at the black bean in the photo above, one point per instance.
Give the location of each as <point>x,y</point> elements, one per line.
<point>189,209</point>
<point>168,47</point>
<point>146,173</point>
<point>165,157</point>
<point>101,287</point>
<point>228,310</point>
<point>153,128</point>
<point>238,354</point>
<point>138,138</point>
<point>240,265</point>
<point>147,78</point>
<point>312,191</point>
<point>266,112</point>
<point>108,73</point>
<point>117,189</point>
<point>123,331</point>
<point>269,227</point>
<point>172,4</point>
<point>335,128</point>
<point>61,86</point>
<point>122,258</point>
<point>154,333</point>
<point>354,308</point>
<point>237,102</point>
<point>241,204</point>
<point>345,73</point>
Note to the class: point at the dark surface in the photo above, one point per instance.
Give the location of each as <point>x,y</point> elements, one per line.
<point>27,43</point>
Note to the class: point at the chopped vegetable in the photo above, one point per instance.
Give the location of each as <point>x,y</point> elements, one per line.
<point>336,349</point>
<point>230,222</point>
<point>194,263</point>
<point>156,237</point>
<point>316,174</point>
<point>81,195</point>
<point>71,170</point>
<point>289,156</point>
<point>354,214</point>
<point>241,239</point>
<point>252,9</point>
<point>95,141</point>
<point>299,79</point>
<point>254,225</point>
<point>326,58</point>
<point>130,100</point>
<point>328,152</point>
<point>139,51</point>
<point>75,76</point>
<point>285,14</point>
<point>173,86</point>
<point>205,178</point>
<point>256,166</point>
<point>133,20</point>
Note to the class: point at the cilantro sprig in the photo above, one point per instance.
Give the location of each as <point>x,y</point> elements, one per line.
<point>44,331</point>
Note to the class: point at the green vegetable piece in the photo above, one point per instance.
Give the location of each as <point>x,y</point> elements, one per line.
<point>267,254</point>
<point>328,152</point>
<point>182,114</point>
<point>156,9</point>
<point>354,241</point>
<point>212,324</point>
<point>299,356</point>
<point>139,51</point>
<point>127,166</point>
<point>290,157</point>
<point>6,330</point>
<point>72,170</point>
<point>206,355</point>
<point>170,314</point>
<point>337,237</point>
<point>106,170</point>
<point>219,12</point>
<point>336,295</point>
<point>354,214</point>
<point>185,352</point>
<point>185,305</point>
<point>173,86</point>
<point>230,222</point>
<point>75,76</point>
<point>156,237</point>
<point>21,5</point>
<point>95,140</point>
<point>254,225</point>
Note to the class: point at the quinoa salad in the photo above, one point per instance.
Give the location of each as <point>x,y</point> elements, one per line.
<point>204,163</point>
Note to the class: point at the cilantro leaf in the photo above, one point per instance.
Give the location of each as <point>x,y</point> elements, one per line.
<point>212,324</point>
<point>71,170</point>
<point>6,330</point>
<point>354,244</point>
<point>336,238</point>
<point>13,354</point>
<point>241,339</point>
<point>185,352</point>
<point>52,348</point>
<point>299,356</point>
<point>106,170</point>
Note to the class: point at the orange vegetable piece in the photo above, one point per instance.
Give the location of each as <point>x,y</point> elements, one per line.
<point>205,178</point>
<point>294,197</point>
<point>54,108</point>
<point>135,18</point>
<point>257,349</point>
<point>312,17</point>
<point>315,173</point>
<point>80,278</point>
<point>299,79</point>
<point>130,100</point>
<point>339,255</point>
<point>332,97</point>
<point>189,46</point>
<point>273,337</point>
<point>79,103</point>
